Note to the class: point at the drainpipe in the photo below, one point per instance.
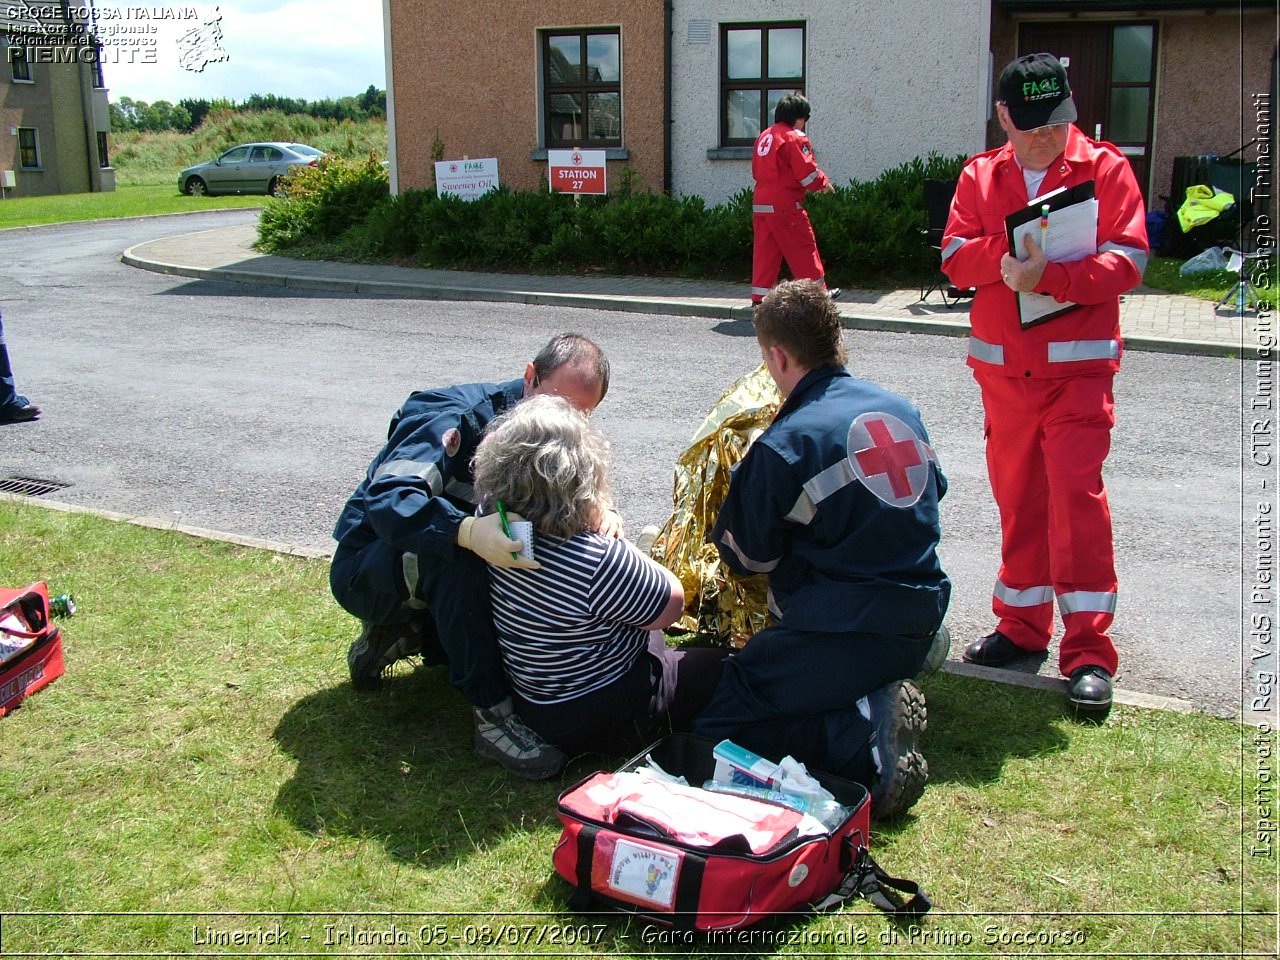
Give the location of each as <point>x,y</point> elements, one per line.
<point>667,119</point>
<point>86,101</point>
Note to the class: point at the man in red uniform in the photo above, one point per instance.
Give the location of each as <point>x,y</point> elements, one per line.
<point>1046,390</point>
<point>784,170</point>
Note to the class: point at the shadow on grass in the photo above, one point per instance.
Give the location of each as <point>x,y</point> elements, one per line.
<point>976,726</point>
<point>398,766</point>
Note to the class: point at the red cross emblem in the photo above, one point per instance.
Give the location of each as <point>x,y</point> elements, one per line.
<point>577,158</point>
<point>453,168</point>
<point>889,458</point>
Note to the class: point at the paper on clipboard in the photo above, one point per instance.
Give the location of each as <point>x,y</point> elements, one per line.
<point>1072,234</point>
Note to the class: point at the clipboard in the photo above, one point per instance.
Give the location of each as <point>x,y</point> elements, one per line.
<point>1072,234</point>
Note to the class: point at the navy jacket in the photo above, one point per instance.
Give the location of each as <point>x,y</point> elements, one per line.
<point>418,488</point>
<point>837,501</point>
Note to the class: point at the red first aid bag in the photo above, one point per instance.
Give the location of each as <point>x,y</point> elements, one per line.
<point>702,860</point>
<point>30,645</point>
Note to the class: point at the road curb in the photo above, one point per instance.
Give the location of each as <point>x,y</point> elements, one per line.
<point>1131,698</point>
<point>625,304</point>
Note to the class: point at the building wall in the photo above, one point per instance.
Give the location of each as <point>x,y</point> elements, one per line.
<point>59,106</point>
<point>467,74</point>
<point>887,84</point>
<point>1211,67</point>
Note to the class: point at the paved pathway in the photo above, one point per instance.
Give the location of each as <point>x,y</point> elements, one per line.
<point>1149,319</point>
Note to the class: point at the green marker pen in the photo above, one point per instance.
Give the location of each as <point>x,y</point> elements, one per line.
<point>506,524</point>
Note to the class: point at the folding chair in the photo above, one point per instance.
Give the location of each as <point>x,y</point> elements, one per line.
<point>937,205</point>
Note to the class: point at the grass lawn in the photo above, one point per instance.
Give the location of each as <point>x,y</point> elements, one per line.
<point>123,202</point>
<point>204,767</point>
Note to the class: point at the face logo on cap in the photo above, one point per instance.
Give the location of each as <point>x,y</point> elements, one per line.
<point>1038,91</point>
<point>452,441</point>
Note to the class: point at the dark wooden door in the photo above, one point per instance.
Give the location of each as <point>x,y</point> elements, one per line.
<point>1111,67</point>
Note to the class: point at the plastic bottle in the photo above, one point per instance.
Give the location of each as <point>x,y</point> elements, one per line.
<point>827,812</point>
<point>63,605</point>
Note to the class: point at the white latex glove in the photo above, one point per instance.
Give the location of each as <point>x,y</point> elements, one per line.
<point>483,536</point>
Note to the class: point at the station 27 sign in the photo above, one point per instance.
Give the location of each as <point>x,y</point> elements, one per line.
<point>576,171</point>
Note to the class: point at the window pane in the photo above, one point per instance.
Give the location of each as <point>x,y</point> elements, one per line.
<point>1128,115</point>
<point>1131,54</point>
<point>744,54</point>
<point>565,65</point>
<point>604,116</point>
<point>774,97</point>
<point>786,52</point>
<point>743,114</point>
<point>602,57</point>
<point>565,116</point>
<point>238,155</point>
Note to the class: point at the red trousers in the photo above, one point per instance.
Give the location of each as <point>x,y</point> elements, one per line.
<point>779,235</point>
<point>1046,442</point>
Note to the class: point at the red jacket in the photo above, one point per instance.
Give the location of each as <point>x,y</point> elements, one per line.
<point>783,167</point>
<point>1085,340</point>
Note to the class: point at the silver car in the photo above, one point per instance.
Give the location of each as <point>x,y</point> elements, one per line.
<point>248,168</point>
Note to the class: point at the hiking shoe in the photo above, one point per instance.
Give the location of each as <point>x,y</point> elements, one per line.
<point>502,736</point>
<point>898,716</point>
<point>937,654</point>
<point>376,649</point>
<point>648,536</point>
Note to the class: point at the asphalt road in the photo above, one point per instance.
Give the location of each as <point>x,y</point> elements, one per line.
<point>255,412</point>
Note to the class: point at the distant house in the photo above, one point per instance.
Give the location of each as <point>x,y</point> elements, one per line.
<point>679,91</point>
<point>54,121</point>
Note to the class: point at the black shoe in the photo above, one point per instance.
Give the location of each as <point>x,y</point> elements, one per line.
<point>898,716</point>
<point>20,412</point>
<point>833,293</point>
<point>993,650</point>
<point>502,736</point>
<point>1089,692</point>
<point>376,649</point>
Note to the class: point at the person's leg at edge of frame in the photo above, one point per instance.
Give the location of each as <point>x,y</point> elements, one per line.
<point>14,408</point>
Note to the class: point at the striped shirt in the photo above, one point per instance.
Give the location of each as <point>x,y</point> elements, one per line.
<point>574,625</point>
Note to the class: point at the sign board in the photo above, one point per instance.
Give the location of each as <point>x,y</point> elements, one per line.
<point>576,171</point>
<point>468,179</point>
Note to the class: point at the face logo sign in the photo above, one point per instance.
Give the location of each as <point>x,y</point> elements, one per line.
<point>452,440</point>
<point>889,459</point>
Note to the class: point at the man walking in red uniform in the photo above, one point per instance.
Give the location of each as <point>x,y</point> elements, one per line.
<point>1046,390</point>
<point>784,170</point>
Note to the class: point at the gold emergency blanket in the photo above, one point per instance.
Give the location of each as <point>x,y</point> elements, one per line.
<point>718,605</point>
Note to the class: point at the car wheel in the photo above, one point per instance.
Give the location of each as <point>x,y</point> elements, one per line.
<point>275,188</point>
<point>196,187</point>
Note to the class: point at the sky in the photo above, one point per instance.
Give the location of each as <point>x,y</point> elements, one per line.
<point>312,49</point>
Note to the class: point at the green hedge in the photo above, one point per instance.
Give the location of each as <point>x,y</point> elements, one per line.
<point>869,233</point>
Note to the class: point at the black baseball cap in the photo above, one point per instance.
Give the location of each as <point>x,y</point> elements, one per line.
<point>1035,90</point>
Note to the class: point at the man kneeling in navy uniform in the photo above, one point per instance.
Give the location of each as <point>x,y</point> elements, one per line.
<point>837,501</point>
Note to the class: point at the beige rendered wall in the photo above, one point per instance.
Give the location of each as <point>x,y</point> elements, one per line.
<point>468,73</point>
<point>1211,68</point>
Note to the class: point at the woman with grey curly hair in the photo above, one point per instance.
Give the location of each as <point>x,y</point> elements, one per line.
<point>581,633</point>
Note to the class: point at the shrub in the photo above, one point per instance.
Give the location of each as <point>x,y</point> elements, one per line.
<point>323,202</point>
<point>869,233</point>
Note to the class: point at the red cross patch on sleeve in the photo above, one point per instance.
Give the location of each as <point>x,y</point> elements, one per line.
<point>452,441</point>
<point>889,458</point>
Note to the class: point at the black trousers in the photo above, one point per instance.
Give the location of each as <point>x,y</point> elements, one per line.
<point>371,583</point>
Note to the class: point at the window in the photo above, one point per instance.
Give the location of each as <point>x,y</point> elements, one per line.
<point>19,64</point>
<point>98,80</point>
<point>582,87</point>
<point>28,148</point>
<point>102,150</point>
<point>235,155</point>
<point>760,63</point>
